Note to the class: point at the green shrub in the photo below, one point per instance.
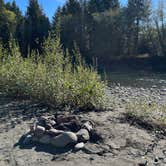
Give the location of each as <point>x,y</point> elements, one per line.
<point>50,78</point>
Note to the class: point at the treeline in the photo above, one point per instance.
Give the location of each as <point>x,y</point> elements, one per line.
<point>99,29</point>
<point>29,31</point>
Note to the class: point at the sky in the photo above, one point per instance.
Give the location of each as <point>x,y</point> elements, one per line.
<point>49,6</point>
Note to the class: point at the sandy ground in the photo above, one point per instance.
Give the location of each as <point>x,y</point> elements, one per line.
<point>126,142</point>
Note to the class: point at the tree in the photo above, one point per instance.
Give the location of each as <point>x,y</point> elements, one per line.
<point>70,24</point>
<point>18,31</point>
<point>102,5</point>
<point>72,7</point>
<point>36,27</point>
<point>137,11</point>
<point>7,24</point>
<point>1,4</point>
<point>160,23</point>
<point>56,23</point>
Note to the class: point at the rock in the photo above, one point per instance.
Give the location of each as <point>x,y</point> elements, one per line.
<point>79,146</point>
<point>88,125</point>
<point>163,90</point>
<point>27,139</point>
<point>35,139</point>
<point>43,118</point>
<point>64,139</point>
<point>93,149</point>
<point>143,162</point>
<point>96,136</point>
<point>164,160</point>
<point>39,130</point>
<point>154,86</point>
<point>55,132</point>
<point>33,126</point>
<point>45,139</point>
<point>52,122</point>
<point>48,126</point>
<point>65,119</point>
<point>72,126</point>
<point>83,135</point>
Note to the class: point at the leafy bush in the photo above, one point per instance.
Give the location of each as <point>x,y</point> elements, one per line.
<point>50,78</point>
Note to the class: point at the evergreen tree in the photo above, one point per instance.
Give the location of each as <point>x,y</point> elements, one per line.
<point>7,24</point>
<point>137,11</point>
<point>56,23</point>
<point>103,5</point>
<point>160,22</point>
<point>72,7</point>
<point>36,27</point>
<point>1,5</point>
<point>17,34</point>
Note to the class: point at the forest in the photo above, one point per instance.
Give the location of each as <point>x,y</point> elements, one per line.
<point>101,30</point>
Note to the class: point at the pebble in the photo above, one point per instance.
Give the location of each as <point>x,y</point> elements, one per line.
<point>163,90</point>
<point>143,162</point>
<point>79,146</point>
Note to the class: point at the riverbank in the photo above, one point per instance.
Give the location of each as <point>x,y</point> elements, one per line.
<point>139,63</point>
<point>126,140</point>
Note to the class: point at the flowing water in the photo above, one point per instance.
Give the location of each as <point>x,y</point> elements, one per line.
<point>137,79</point>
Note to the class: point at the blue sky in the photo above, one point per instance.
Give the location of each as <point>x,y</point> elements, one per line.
<point>49,6</point>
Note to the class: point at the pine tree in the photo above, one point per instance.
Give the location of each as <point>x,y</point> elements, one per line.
<point>103,5</point>
<point>56,23</point>
<point>137,11</point>
<point>94,6</point>
<point>110,4</point>
<point>7,23</point>
<point>72,7</point>
<point>36,26</point>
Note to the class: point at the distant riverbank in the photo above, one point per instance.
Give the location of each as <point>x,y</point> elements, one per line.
<point>155,64</point>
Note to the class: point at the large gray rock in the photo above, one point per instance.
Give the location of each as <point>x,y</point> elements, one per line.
<point>83,135</point>
<point>45,139</point>
<point>64,139</point>
<point>35,139</point>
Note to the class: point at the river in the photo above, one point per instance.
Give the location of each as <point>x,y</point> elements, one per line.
<point>137,79</point>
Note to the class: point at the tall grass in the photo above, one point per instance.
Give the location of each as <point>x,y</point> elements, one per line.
<point>154,112</point>
<point>50,77</point>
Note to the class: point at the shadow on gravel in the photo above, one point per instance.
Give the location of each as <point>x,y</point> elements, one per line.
<point>157,128</point>
<point>41,147</point>
<point>20,108</point>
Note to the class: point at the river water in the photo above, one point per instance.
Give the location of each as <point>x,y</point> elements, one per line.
<point>137,79</point>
